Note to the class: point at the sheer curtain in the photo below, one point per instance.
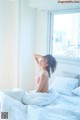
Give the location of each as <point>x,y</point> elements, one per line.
<point>8,45</point>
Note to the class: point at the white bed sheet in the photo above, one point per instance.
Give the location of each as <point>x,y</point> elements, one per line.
<point>66,108</point>
<point>62,108</point>
<point>16,110</point>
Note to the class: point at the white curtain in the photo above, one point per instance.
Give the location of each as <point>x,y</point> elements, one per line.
<point>8,45</point>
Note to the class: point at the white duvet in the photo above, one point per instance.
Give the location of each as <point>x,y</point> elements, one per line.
<point>57,107</point>
<point>32,97</point>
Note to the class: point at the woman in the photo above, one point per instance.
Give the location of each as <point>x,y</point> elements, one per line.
<point>47,65</point>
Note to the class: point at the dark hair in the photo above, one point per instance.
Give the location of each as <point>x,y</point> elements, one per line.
<point>51,61</point>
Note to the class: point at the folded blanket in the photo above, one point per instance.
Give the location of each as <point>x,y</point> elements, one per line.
<point>32,98</point>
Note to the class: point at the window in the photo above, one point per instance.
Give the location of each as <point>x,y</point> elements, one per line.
<point>65,35</point>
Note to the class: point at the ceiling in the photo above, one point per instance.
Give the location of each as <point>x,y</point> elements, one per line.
<point>53,4</point>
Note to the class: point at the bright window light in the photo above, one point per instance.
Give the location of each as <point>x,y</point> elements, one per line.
<point>66,35</point>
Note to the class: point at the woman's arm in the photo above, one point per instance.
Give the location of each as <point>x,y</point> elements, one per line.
<point>37,57</point>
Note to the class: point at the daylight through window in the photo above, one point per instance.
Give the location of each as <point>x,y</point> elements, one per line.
<point>66,35</point>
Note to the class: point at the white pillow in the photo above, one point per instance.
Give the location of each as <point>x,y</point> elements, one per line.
<point>64,85</point>
<point>76,91</point>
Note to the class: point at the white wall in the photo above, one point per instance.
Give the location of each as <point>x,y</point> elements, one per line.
<point>41,32</point>
<point>17,44</point>
<point>8,44</point>
<point>26,45</point>
<point>71,68</point>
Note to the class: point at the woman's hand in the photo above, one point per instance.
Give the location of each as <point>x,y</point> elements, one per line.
<point>37,57</point>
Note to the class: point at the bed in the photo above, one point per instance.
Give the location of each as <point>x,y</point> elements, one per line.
<point>63,103</point>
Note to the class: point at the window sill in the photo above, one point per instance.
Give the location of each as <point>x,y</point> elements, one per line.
<point>68,60</point>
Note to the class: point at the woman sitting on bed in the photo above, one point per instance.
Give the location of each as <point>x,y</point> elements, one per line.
<point>47,64</point>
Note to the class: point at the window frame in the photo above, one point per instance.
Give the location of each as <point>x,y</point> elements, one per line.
<point>60,59</point>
